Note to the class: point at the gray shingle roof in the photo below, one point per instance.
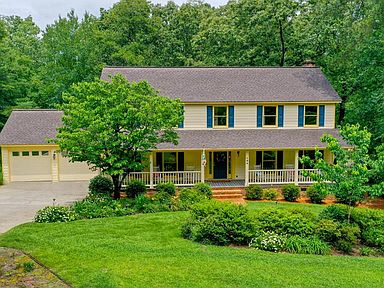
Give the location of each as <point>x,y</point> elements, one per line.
<point>250,139</point>
<point>36,126</point>
<point>33,126</point>
<point>234,84</point>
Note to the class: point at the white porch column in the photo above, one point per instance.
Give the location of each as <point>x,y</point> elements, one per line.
<point>246,168</point>
<point>202,166</point>
<point>151,170</point>
<point>296,167</point>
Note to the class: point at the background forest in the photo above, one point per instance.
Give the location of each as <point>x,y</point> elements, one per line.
<point>344,37</point>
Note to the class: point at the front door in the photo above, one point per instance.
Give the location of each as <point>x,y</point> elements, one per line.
<point>220,165</point>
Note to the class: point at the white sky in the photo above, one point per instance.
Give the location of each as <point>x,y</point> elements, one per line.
<point>45,12</point>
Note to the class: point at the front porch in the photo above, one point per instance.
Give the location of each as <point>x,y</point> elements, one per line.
<point>231,168</point>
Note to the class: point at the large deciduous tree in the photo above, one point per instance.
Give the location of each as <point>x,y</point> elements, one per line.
<point>113,125</point>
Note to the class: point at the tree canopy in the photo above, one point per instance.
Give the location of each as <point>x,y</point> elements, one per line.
<point>113,125</point>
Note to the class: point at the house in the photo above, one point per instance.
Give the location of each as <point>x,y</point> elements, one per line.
<point>241,126</point>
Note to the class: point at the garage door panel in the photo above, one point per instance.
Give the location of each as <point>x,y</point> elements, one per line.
<point>30,168</point>
<point>74,171</point>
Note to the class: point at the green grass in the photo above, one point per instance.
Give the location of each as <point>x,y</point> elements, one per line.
<point>147,251</point>
<point>254,205</point>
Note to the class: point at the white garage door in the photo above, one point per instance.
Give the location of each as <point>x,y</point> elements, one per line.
<point>30,165</point>
<point>74,171</point>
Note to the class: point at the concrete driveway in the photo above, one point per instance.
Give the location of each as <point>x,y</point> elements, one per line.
<point>19,201</point>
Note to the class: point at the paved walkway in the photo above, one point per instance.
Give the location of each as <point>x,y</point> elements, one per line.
<point>19,201</point>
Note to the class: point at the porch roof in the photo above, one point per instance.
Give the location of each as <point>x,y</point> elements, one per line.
<point>250,139</point>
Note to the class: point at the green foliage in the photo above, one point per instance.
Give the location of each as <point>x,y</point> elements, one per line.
<point>366,251</point>
<point>54,214</point>
<point>189,197</point>
<point>100,185</point>
<point>291,192</point>
<point>316,194</point>
<point>310,245</point>
<point>284,222</point>
<point>268,241</point>
<point>168,188</point>
<point>336,212</point>
<point>28,266</point>
<point>134,188</point>
<point>349,237</point>
<point>254,192</point>
<point>204,189</point>
<point>113,125</point>
<point>328,230</point>
<point>348,179</point>
<point>270,194</point>
<point>374,236</point>
<point>219,223</point>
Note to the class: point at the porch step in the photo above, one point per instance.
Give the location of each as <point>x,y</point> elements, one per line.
<point>235,195</point>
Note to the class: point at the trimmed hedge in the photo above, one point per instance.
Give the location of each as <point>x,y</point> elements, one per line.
<point>291,192</point>
<point>100,185</point>
<point>254,192</point>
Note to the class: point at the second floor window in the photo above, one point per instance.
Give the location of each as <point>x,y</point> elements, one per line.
<point>270,116</point>
<point>220,116</point>
<point>310,115</point>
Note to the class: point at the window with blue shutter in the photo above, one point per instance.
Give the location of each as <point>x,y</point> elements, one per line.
<point>281,116</point>
<point>321,115</point>
<point>259,116</point>
<point>209,116</point>
<point>301,116</point>
<point>181,125</point>
<point>231,116</point>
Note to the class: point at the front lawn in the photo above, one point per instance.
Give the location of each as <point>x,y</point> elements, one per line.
<point>148,251</point>
<point>315,208</point>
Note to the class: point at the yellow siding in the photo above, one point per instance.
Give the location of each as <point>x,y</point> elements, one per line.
<point>245,116</point>
<point>290,116</point>
<point>330,112</point>
<point>5,164</point>
<point>195,116</point>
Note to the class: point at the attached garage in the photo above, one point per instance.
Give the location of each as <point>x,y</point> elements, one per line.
<point>27,154</point>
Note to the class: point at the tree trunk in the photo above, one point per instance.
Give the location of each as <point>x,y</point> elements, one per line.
<point>116,186</point>
<point>282,44</point>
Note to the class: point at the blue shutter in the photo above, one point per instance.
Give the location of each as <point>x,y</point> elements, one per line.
<point>281,116</point>
<point>321,115</point>
<point>209,116</point>
<point>231,116</point>
<point>301,116</point>
<point>259,116</point>
<point>181,125</point>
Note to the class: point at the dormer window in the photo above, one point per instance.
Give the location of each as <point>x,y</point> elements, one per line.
<point>220,116</point>
<point>270,116</point>
<point>311,115</point>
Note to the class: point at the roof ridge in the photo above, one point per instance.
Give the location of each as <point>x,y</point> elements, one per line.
<point>36,110</point>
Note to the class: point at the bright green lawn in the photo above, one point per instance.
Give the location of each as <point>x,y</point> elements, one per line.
<point>315,208</point>
<point>147,251</point>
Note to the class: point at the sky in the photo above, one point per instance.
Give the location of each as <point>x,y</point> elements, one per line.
<point>45,12</point>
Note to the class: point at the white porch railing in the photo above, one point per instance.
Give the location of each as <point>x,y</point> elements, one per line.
<point>179,178</point>
<point>278,176</point>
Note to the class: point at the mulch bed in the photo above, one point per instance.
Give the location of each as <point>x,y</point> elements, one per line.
<point>20,270</point>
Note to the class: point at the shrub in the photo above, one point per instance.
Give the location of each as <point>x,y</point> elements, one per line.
<point>349,237</point>
<point>328,230</point>
<point>315,194</point>
<point>100,185</point>
<point>374,236</point>
<point>134,188</point>
<point>367,218</point>
<point>284,222</point>
<point>310,245</point>
<point>143,204</point>
<point>291,192</point>
<point>51,214</point>
<point>268,241</point>
<point>28,266</point>
<point>270,194</point>
<point>336,212</point>
<point>204,189</point>
<point>189,197</point>
<point>367,251</point>
<point>220,223</point>
<point>254,192</point>
<point>97,206</point>
<point>168,187</point>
